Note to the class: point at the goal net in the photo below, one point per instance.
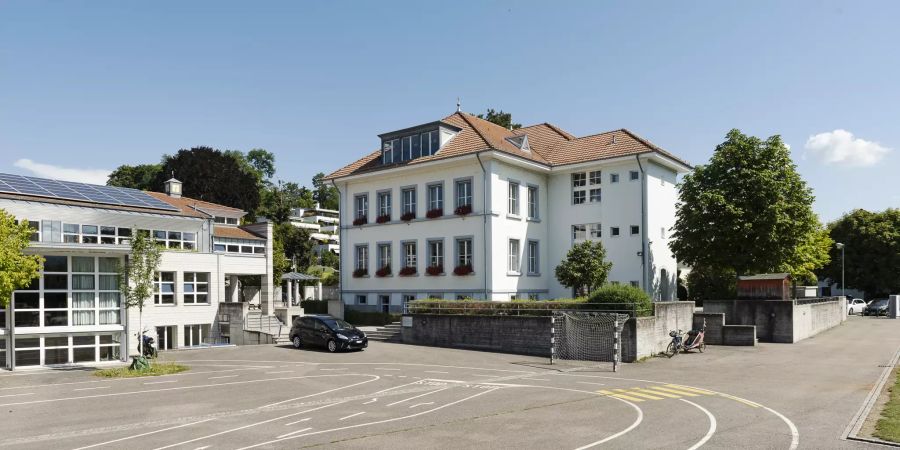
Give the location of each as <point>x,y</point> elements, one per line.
<point>586,339</point>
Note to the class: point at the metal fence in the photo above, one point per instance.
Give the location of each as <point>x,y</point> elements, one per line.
<point>537,308</point>
<point>809,301</point>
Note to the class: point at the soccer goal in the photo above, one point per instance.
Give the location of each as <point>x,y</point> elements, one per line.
<point>586,339</point>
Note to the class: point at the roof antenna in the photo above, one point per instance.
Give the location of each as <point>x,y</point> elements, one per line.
<point>457,104</point>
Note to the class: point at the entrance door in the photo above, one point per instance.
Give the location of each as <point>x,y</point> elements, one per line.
<point>385,301</point>
<point>664,285</point>
<point>165,338</point>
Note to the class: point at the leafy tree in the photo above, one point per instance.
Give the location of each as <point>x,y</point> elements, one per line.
<point>500,118</point>
<point>327,275</point>
<point>17,270</point>
<point>279,199</point>
<point>748,211</point>
<point>141,176</point>
<point>871,252</point>
<point>326,195</point>
<point>704,283</point>
<point>585,267</point>
<point>262,161</point>
<point>136,279</point>
<point>280,264</point>
<point>681,288</point>
<point>330,259</point>
<point>297,247</point>
<point>211,175</point>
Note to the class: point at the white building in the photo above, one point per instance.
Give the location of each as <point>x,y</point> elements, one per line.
<point>462,195</point>
<point>323,226</point>
<point>73,312</point>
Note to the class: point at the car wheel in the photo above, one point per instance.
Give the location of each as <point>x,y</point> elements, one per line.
<point>332,346</point>
<point>296,341</point>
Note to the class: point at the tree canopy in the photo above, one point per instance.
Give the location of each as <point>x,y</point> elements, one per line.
<point>585,267</point>
<point>872,251</point>
<point>325,194</point>
<point>504,119</point>
<point>213,176</point>
<point>141,176</point>
<point>17,270</point>
<point>749,211</point>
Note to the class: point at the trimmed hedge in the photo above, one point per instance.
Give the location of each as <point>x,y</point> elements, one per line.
<point>314,306</point>
<point>625,295</point>
<point>369,318</point>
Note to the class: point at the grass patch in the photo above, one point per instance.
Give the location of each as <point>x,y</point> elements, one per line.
<point>155,370</point>
<point>888,426</point>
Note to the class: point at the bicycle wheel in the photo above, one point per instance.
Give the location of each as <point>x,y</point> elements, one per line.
<point>671,350</point>
<point>702,347</point>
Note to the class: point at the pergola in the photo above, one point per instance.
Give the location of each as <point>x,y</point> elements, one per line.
<point>294,280</point>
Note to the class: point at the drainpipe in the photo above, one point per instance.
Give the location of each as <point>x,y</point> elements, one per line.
<point>644,281</point>
<point>484,249</point>
<point>340,247</point>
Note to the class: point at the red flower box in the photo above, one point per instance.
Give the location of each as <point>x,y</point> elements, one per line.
<point>383,272</point>
<point>434,270</point>
<point>406,217</point>
<point>360,221</point>
<point>463,210</point>
<point>462,270</point>
<point>434,213</point>
<point>383,219</point>
<point>359,273</point>
<point>407,271</point>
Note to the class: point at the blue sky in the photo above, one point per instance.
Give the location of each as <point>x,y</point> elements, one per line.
<point>87,86</point>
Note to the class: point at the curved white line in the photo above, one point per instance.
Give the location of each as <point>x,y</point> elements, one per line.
<point>712,425</point>
<point>795,435</point>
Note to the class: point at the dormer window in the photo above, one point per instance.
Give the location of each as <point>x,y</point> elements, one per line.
<point>521,142</point>
<point>409,144</point>
<point>226,220</point>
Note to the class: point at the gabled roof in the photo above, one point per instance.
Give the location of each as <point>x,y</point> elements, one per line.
<point>197,208</point>
<point>765,276</point>
<point>549,145</point>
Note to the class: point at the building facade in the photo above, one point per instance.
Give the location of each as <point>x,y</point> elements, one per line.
<point>463,208</point>
<point>73,312</point>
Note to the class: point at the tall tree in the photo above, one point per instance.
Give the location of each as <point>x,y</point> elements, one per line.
<point>501,118</point>
<point>141,176</point>
<point>871,251</point>
<point>326,195</point>
<point>17,269</point>
<point>748,211</point>
<point>297,247</point>
<point>278,199</point>
<point>262,161</point>
<point>585,267</point>
<point>211,175</point>
<point>136,280</point>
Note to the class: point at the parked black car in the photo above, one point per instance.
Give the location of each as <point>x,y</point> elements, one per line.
<point>876,307</point>
<point>326,331</point>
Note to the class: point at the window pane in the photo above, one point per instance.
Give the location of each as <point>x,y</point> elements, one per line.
<point>56,341</point>
<point>202,277</point>
<point>28,357</point>
<point>56,300</point>
<point>108,231</point>
<point>56,356</point>
<point>56,318</point>
<point>82,317</point>
<point>110,299</point>
<point>89,229</point>
<point>109,353</point>
<point>110,317</point>
<point>109,265</point>
<point>56,264</point>
<point>175,235</point>
<point>109,282</point>
<point>71,228</point>
<point>27,319</point>
<point>56,282</point>
<point>28,342</point>
<point>87,354</point>
<point>124,232</point>
<point>435,142</point>
<point>83,282</point>
<point>167,276</point>
<point>83,340</point>
<point>26,300</point>
<point>83,264</point>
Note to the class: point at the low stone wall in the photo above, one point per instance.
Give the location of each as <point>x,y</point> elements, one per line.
<point>785,321</point>
<point>508,334</point>
<point>714,324</point>
<point>739,335</point>
<point>648,336</point>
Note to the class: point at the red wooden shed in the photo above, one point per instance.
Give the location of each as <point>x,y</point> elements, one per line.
<point>765,286</point>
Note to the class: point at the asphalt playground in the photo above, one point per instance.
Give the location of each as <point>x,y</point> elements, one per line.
<point>396,396</point>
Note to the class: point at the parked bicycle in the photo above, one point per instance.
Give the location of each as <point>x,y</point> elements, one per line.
<point>680,344</point>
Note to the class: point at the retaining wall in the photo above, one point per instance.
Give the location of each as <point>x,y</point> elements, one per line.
<point>508,334</point>
<point>718,333</point>
<point>785,321</point>
<point>648,336</point>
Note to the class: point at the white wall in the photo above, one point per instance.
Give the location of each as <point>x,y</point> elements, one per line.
<point>662,196</point>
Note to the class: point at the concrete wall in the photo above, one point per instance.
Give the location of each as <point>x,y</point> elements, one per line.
<point>785,321</point>
<point>718,333</point>
<point>520,335</point>
<point>814,318</point>
<point>739,335</point>
<point>648,336</point>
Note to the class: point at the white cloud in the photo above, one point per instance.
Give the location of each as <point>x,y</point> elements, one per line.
<point>840,147</point>
<point>92,176</point>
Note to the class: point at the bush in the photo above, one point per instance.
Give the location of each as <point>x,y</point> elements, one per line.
<point>612,294</point>
<point>369,318</point>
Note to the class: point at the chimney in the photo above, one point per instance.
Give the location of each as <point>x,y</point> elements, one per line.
<point>173,188</point>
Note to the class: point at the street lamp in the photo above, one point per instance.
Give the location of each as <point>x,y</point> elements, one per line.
<point>840,247</point>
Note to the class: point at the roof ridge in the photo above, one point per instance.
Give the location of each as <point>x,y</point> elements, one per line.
<point>475,128</point>
<point>560,131</point>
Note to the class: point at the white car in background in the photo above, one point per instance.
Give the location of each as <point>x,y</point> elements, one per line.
<point>855,306</point>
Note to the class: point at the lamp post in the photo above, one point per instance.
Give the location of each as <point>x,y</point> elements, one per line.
<point>840,247</point>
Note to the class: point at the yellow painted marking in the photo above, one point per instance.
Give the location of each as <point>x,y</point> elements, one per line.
<point>690,389</point>
<point>746,402</point>
<point>623,397</point>
<point>664,394</point>
<point>636,393</point>
<point>686,394</point>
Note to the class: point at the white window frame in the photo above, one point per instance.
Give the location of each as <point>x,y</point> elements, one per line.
<point>384,255</point>
<point>532,194</point>
<point>534,254</point>
<point>193,289</point>
<point>436,258</point>
<point>595,198</point>
<point>465,251</point>
<point>579,229</point>
<point>514,261</point>
<point>158,283</point>
<point>463,196</point>
<point>634,230</point>
<point>595,177</point>
<point>513,197</point>
<point>384,203</point>
<point>634,175</point>
<point>435,196</point>
<point>579,180</point>
<point>614,178</point>
<point>579,197</point>
<point>595,230</point>
<point>614,232</point>
<point>361,206</point>
<point>361,257</point>
<point>408,197</point>
<point>410,254</point>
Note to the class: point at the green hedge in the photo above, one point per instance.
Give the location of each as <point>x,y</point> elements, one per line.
<point>369,318</point>
<point>625,295</point>
<point>314,306</point>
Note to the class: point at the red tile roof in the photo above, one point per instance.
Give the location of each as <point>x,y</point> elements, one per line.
<point>549,145</point>
<point>188,206</point>
<point>234,233</point>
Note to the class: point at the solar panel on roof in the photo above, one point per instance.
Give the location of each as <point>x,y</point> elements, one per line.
<point>68,190</point>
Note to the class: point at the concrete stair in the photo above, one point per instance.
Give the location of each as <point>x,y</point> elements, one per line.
<point>387,333</point>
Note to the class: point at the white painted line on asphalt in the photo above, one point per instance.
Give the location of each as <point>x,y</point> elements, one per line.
<point>223,376</point>
<point>17,395</point>
<point>323,392</point>
<point>343,368</point>
<point>371,401</point>
<point>536,379</point>
<point>161,382</point>
<point>712,425</point>
<point>417,396</point>
<point>278,371</point>
<point>143,434</point>
<point>292,433</point>
<point>795,435</point>
<point>435,371</point>
<point>120,380</point>
<point>394,387</point>
<point>352,415</point>
<point>92,388</point>
<point>591,382</point>
<point>261,444</point>
<point>246,426</point>
<point>420,404</point>
<point>385,368</point>
<point>202,448</point>
<point>297,421</point>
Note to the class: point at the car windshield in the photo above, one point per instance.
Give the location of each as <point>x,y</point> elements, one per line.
<point>337,324</point>
<point>881,302</point>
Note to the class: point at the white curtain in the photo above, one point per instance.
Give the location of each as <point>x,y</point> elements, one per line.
<point>109,317</point>
<point>82,317</point>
